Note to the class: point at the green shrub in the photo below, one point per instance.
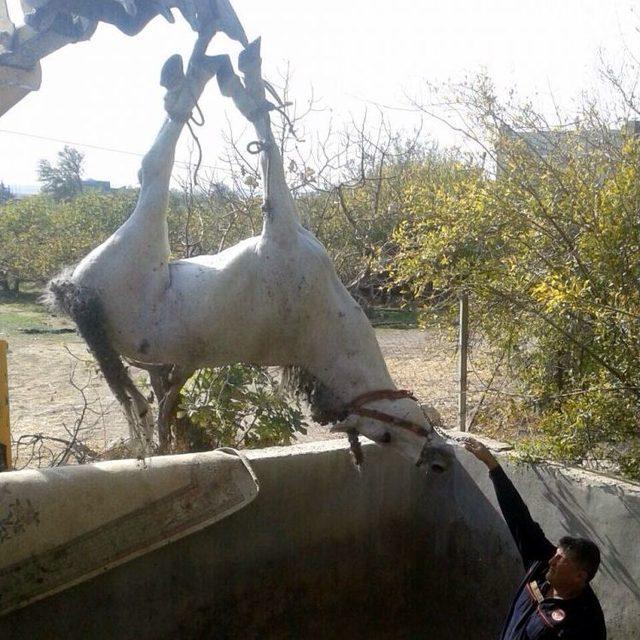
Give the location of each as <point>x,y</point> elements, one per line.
<point>241,406</point>
<point>547,248</point>
<point>596,428</point>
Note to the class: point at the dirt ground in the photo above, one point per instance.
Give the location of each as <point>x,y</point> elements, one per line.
<point>51,376</point>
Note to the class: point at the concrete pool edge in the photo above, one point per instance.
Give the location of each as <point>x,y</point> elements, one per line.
<point>325,548</point>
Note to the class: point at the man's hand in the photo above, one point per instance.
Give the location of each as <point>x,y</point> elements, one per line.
<point>481,452</point>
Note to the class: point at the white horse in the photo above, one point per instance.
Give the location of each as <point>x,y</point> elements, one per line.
<point>274,299</point>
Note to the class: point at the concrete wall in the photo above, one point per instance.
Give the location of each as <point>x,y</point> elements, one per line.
<point>328,552</point>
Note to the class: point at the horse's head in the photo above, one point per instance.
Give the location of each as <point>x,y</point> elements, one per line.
<point>394,418</point>
<point>390,417</point>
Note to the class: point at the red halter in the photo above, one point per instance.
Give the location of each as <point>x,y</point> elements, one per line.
<point>356,407</point>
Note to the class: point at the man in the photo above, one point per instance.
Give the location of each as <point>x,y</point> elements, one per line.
<point>554,600</point>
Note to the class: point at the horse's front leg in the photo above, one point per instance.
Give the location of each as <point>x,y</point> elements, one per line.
<point>167,382</point>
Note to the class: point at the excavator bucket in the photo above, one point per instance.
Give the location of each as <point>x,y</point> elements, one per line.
<point>60,527</point>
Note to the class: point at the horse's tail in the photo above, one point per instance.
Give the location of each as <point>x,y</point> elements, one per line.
<point>84,307</point>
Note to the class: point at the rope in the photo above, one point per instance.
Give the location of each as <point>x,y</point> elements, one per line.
<point>381,394</point>
<point>245,461</point>
<point>447,437</point>
<point>198,123</point>
<point>199,110</point>
<point>355,407</point>
<point>254,148</point>
<point>355,446</point>
<point>281,108</point>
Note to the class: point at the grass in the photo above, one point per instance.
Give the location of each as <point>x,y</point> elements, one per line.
<point>384,317</point>
<point>20,313</point>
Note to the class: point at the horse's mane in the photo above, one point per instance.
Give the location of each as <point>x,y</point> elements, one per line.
<point>325,406</point>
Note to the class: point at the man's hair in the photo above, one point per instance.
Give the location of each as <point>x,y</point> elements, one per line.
<point>583,552</point>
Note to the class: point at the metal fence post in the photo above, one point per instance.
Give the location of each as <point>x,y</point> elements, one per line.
<point>463,345</point>
<point>5,432</point>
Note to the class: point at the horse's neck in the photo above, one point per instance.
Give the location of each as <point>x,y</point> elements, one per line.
<point>345,354</point>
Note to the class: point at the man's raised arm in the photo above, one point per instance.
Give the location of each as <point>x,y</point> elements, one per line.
<point>527,533</point>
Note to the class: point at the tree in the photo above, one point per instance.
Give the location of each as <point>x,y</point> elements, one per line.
<point>64,179</point>
<point>351,200</point>
<point>24,229</point>
<point>346,186</point>
<point>548,249</point>
<point>5,193</point>
<point>238,405</point>
<point>41,236</point>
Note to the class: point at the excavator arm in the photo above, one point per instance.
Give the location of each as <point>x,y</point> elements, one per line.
<point>52,24</point>
<point>21,50</point>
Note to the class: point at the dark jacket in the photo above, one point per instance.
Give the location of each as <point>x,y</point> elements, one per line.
<point>533,616</point>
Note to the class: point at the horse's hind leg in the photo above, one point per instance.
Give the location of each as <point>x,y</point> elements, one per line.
<point>167,382</point>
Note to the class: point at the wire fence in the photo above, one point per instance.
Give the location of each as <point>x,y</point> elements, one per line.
<point>453,371</point>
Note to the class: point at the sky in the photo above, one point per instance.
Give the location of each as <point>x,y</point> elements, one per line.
<point>103,96</point>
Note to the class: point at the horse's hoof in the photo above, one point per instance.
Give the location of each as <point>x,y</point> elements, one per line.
<point>172,73</point>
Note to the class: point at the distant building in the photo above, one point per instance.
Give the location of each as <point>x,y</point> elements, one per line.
<point>97,185</point>
<point>556,143</point>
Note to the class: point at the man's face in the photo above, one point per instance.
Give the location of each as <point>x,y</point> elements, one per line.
<point>564,573</point>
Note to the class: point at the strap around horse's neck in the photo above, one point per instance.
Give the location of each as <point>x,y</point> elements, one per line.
<point>356,407</point>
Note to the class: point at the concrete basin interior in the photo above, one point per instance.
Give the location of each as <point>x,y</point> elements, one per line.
<point>327,551</point>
